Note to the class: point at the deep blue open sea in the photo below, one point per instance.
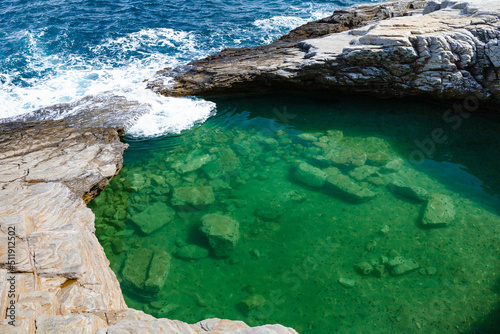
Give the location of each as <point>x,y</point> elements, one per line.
<point>58,51</point>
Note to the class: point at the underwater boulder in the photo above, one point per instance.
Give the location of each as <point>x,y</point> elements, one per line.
<point>343,156</point>
<point>251,303</point>
<point>146,270</point>
<point>225,162</point>
<point>307,137</point>
<point>310,175</point>
<point>193,196</point>
<point>407,266</point>
<point>153,218</point>
<point>363,172</point>
<point>222,232</point>
<point>415,193</point>
<point>158,272</point>
<point>192,164</point>
<point>136,267</point>
<point>344,187</point>
<point>439,211</point>
<point>138,181</point>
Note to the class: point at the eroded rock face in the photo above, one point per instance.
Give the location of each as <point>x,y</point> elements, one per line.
<point>60,273</point>
<point>83,159</point>
<point>387,49</point>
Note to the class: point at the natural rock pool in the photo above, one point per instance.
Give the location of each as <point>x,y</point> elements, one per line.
<point>326,215</point>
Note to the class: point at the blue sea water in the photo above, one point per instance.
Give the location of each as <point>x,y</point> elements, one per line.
<point>58,51</point>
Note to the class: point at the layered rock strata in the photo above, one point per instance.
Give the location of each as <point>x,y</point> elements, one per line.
<point>54,275</point>
<point>446,50</point>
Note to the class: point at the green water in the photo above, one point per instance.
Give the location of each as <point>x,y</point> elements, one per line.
<point>296,237</point>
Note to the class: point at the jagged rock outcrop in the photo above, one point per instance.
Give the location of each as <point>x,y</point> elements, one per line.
<point>447,50</point>
<point>54,275</point>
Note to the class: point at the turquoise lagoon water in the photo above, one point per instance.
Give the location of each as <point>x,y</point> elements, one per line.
<point>301,246</point>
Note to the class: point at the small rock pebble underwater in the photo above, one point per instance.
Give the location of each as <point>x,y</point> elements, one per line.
<point>313,213</point>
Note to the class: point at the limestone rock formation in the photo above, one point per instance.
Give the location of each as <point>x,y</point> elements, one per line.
<point>443,49</point>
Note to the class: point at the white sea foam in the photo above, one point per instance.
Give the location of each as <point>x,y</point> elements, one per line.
<point>273,27</point>
<point>172,116</point>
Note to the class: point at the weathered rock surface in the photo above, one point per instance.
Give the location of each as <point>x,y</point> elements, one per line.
<point>60,273</point>
<point>387,49</point>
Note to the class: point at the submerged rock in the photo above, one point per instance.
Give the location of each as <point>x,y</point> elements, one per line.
<point>347,282</point>
<point>136,267</point>
<point>251,303</point>
<point>307,137</point>
<point>439,212</point>
<point>145,270</point>
<point>344,187</point>
<point>138,181</point>
<point>412,192</point>
<point>191,252</point>
<point>393,166</point>
<point>193,164</point>
<point>363,172</point>
<point>197,196</point>
<point>222,232</point>
<point>310,175</point>
<point>153,218</point>
<point>226,162</point>
<point>158,272</point>
<point>343,156</point>
<point>363,268</point>
<point>407,266</point>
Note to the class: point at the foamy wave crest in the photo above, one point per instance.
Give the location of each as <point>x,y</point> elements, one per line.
<point>172,116</point>
<point>274,27</point>
<point>158,39</point>
<point>279,22</point>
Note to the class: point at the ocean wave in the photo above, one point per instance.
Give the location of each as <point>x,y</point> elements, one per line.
<point>81,83</point>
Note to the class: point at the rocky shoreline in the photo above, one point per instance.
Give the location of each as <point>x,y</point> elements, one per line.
<point>446,50</point>
<point>49,170</point>
<point>60,280</point>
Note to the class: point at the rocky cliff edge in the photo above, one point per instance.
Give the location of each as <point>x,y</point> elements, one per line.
<point>445,50</point>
